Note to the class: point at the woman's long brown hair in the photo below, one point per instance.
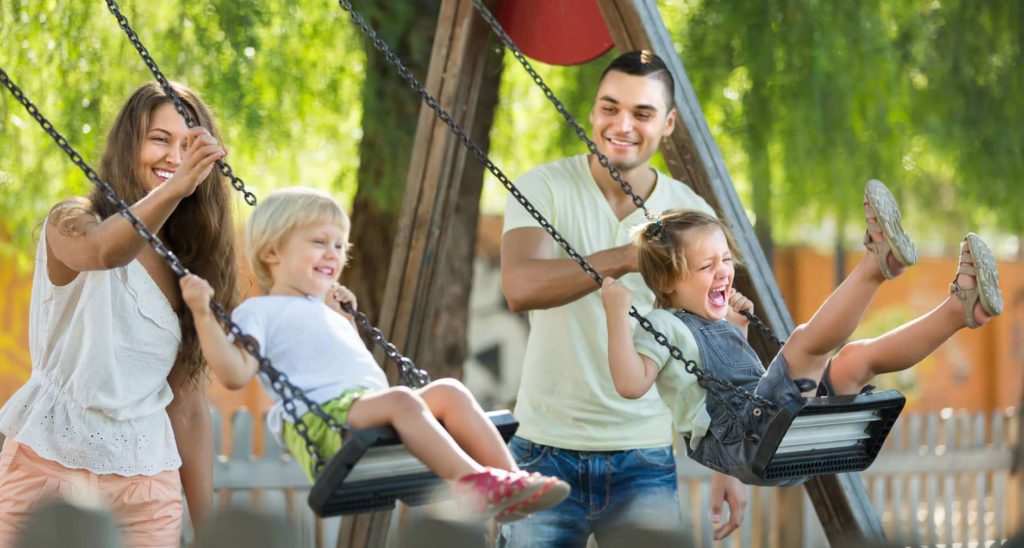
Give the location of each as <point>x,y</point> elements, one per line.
<point>201,229</point>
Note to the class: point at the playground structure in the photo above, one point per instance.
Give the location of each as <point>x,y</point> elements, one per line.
<point>441,185</point>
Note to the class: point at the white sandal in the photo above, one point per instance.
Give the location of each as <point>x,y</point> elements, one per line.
<point>895,239</point>
<point>976,260</point>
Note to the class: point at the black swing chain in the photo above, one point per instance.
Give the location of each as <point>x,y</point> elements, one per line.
<point>179,106</point>
<point>569,118</point>
<point>581,133</point>
<point>408,373</point>
<point>278,380</point>
<point>704,378</point>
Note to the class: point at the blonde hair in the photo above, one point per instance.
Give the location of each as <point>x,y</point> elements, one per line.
<point>281,212</point>
<point>662,255</point>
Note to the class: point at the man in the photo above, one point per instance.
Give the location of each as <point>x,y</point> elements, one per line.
<point>615,453</point>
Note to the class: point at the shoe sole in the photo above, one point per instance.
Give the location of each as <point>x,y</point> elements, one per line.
<point>990,296</point>
<point>552,496</point>
<point>887,212</point>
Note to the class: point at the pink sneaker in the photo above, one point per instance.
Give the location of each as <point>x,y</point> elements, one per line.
<point>494,491</point>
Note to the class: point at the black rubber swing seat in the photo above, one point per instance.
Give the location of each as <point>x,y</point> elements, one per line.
<point>823,435</point>
<point>373,470</point>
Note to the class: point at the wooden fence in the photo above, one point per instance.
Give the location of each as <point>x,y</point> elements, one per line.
<point>942,479</point>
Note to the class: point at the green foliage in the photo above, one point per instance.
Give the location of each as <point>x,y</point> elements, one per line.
<point>922,96</point>
<point>806,99</point>
<point>284,78</point>
<point>527,130</point>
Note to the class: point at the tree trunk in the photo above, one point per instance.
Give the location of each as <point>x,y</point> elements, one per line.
<point>390,111</point>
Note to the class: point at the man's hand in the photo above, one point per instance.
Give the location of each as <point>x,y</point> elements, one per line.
<point>730,490</point>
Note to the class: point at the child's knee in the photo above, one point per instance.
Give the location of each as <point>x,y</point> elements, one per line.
<point>450,389</point>
<point>851,365</point>
<point>404,400</point>
<point>802,343</point>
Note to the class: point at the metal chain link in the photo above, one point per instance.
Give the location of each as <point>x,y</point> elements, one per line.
<point>703,378</point>
<point>179,106</point>
<point>569,118</point>
<point>279,381</point>
<point>581,133</point>
<point>410,375</point>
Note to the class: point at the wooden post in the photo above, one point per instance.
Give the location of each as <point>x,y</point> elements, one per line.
<point>437,228</point>
<point>692,156</point>
<point>431,261</point>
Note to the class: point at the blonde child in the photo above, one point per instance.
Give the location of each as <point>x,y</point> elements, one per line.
<point>688,259</point>
<point>297,241</point>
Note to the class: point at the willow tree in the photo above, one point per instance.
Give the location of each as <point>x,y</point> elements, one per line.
<point>810,99</point>
<point>283,82</point>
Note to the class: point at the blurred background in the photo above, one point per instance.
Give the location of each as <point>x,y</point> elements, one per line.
<point>806,100</point>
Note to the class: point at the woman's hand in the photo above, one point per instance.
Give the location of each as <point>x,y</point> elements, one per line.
<point>340,295</point>
<point>615,296</point>
<point>201,151</point>
<point>739,303</point>
<point>196,292</point>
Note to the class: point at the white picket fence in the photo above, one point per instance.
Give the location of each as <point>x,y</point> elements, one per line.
<point>942,479</point>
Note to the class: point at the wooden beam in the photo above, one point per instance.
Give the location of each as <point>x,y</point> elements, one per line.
<point>437,226</point>
<point>463,76</point>
<point>692,156</point>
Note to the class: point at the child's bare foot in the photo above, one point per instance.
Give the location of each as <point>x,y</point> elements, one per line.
<point>885,237</point>
<point>977,282</point>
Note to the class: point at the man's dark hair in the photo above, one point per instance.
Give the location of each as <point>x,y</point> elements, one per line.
<point>644,63</point>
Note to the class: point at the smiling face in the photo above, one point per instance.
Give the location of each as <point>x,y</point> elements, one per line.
<point>308,261</point>
<point>162,146</point>
<point>704,290</point>
<point>630,117</point>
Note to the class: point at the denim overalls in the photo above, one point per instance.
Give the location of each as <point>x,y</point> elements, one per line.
<point>726,354</point>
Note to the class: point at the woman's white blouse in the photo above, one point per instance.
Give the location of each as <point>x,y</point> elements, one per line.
<point>101,347</point>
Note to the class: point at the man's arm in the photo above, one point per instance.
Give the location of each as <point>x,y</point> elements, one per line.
<point>193,432</point>
<point>731,491</point>
<point>532,278</point>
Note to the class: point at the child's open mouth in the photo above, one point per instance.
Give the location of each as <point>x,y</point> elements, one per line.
<point>717,296</point>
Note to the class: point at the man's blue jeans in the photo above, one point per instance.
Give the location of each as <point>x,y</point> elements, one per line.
<point>608,487</point>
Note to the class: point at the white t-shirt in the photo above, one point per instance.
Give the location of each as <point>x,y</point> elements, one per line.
<point>567,398</point>
<point>102,347</point>
<point>317,348</point>
<point>677,388</point>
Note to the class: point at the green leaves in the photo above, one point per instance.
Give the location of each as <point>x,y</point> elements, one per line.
<point>924,97</point>
<point>283,77</point>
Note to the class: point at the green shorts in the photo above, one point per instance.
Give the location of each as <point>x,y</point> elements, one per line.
<point>326,441</point>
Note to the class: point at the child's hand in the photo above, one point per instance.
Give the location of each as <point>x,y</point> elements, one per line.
<point>739,303</point>
<point>196,292</point>
<point>340,295</point>
<point>615,295</point>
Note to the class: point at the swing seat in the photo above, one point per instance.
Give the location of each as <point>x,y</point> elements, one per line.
<point>823,435</point>
<point>373,469</point>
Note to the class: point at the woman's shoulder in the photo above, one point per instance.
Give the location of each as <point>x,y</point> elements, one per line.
<point>72,216</point>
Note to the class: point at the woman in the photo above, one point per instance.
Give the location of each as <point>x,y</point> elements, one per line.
<point>115,404</point>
